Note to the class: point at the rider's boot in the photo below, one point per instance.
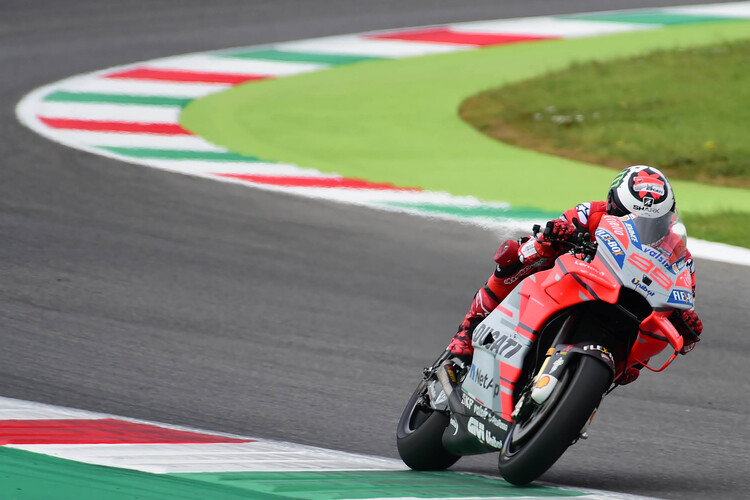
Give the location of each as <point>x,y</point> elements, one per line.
<point>460,347</point>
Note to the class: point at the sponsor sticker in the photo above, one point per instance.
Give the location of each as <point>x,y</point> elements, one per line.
<point>476,428</point>
<point>611,243</point>
<point>483,380</point>
<point>632,233</point>
<point>643,287</point>
<point>681,297</point>
<point>543,382</point>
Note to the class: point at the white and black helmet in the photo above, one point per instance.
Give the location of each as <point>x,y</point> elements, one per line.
<point>640,190</point>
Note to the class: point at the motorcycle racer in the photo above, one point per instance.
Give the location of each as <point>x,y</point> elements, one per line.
<point>640,190</point>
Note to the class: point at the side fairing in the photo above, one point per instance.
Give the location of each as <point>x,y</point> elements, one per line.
<point>501,343</point>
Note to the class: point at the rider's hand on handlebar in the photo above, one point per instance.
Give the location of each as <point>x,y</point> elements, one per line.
<point>533,251</point>
<point>557,230</point>
<point>690,326</point>
<point>546,244</point>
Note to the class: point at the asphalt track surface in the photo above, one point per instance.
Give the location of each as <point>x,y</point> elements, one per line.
<point>158,296</point>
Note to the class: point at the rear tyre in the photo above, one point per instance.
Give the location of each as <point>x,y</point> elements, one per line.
<point>419,436</point>
<point>537,441</point>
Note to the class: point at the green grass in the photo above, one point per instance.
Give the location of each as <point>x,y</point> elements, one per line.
<point>727,227</point>
<point>397,121</point>
<point>684,111</point>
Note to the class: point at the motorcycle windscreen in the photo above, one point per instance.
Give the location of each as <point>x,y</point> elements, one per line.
<point>666,234</point>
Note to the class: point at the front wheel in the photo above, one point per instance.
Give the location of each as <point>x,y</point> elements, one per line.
<point>419,436</point>
<point>536,441</point>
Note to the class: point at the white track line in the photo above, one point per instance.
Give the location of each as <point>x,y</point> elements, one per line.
<point>126,86</point>
<point>550,26</point>
<point>256,456</point>
<point>238,167</point>
<point>233,65</point>
<point>739,10</point>
<point>358,46</point>
<point>110,112</point>
<point>84,138</point>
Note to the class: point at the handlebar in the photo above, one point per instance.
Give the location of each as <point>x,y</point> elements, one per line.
<point>579,243</point>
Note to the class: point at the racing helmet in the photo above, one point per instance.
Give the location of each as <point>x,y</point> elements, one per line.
<point>640,190</point>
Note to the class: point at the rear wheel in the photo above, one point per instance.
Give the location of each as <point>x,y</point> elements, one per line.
<point>542,435</point>
<point>419,436</point>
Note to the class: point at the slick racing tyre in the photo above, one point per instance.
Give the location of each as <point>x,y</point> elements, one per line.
<point>419,436</point>
<point>536,441</point>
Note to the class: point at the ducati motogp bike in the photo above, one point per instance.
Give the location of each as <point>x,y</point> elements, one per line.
<point>546,356</point>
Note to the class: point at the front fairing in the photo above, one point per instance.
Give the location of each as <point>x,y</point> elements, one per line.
<point>648,256</point>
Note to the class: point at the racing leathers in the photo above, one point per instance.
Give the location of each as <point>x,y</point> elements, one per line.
<point>516,260</point>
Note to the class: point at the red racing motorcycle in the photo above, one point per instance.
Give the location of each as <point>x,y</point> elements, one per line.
<point>545,357</point>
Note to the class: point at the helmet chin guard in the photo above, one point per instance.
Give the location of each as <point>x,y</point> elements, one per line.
<point>640,190</point>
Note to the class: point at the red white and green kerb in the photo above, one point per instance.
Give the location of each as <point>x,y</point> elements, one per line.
<point>53,452</point>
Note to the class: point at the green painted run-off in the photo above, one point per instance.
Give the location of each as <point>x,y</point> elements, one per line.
<point>376,484</point>
<point>25,475</point>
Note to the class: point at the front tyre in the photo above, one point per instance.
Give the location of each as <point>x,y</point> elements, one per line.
<point>536,442</point>
<point>419,436</point>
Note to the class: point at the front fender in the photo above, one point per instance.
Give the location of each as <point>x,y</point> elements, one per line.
<point>560,356</point>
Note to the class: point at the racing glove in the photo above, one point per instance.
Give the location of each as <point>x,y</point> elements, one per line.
<point>690,326</point>
<point>534,251</point>
<point>543,246</point>
<point>558,230</point>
